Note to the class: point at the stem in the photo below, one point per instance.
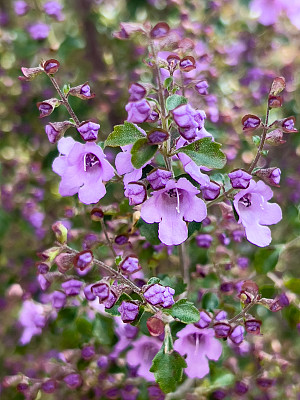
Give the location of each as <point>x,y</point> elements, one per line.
<point>184,265</point>
<point>242,313</point>
<point>64,100</point>
<point>107,238</point>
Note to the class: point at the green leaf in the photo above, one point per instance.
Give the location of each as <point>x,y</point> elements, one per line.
<point>256,140</point>
<point>193,227</point>
<point>223,379</point>
<point>293,284</point>
<point>142,152</point>
<point>153,280</point>
<point>210,301</point>
<point>205,152</point>
<point>174,101</point>
<point>150,231</point>
<point>265,260</point>
<point>168,82</point>
<point>123,135</point>
<point>185,311</point>
<point>168,369</point>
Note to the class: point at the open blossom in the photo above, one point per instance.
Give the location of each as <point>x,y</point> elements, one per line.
<point>83,169</point>
<point>200,346</point>
<point>138,111</point>
<point>171,206</point>
<point>255,212</point>
<point>39,31</point>
<point>32,319</point>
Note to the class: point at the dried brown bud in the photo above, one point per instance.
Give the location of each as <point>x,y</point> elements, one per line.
<point>155,326</point>
<point>50,66</point>
<point>270,175</point>
<point>275,138</point>
<point>278,86</point>
<point>46,107</point>
<point>55,130</point>
<point>187,64</point>
<point>275,101</point>
<point>160,30</point>
<point>64,262</point>
<point>30,73</point>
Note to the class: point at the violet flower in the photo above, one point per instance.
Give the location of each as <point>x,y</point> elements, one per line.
<point>189,120</point>
<point>138,111</point>
<point>83,169</point>
<point>88,130</point>
<point>159,295</point>
<point>32,319</point>
<point>53,9</point>
<point>20,7</point>
<point>136,192</point>
<point>158,178</point>
<point>137,92</point>
<point>129,311</point>
<point>171,207</point>
<point>39,31</point>
<point>240,179</point>
<point>72,287</point>
<point>255,212</point>
<point>200,346</point>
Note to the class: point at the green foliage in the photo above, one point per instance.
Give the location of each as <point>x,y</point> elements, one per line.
<point>185,311</point>
<point>210,301</point>
<point>142,152</point>
<point>150,231</point>
<point>265,260</point>
<point>174,101</point>
<point>293,284</point>
<point>123,135</point>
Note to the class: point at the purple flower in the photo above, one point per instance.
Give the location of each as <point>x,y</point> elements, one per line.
<point>222,329</point>
<point>201,88</point>
<point>237,334</point>
<point>83,260</point>
<point>73,381</point>
<point>39,31</point>
<point>159,295</point>
<point>21,7</point>
<point>53,9</point>
<point>83,169</point>
<point>211,191</point>
<point>49,386</point>
<point>204,240</point>
<point>128,311</point>
<point>136,193</point>
<point>205,320</point>
<point>88,130</point>
<point>126,333</point>
<point>137,92</point>
<point>32,319</point>
<point>189,120</point>
<point>171,207</point>
<point>255,212</point>
<point>240,179</point>
<point>143,351</point>
<point>72,287</point>
<point>58,300</point>
<point>158,178</point>
<point>243,262</point>
<point>267,10</point>
<point>138,111</point>
<point>85,90</point>
<point>111,300</point>
<point>89,295</point>
<point>130,264</point>
<point>88,352</point>
<point>200,346</point>
<point>101,290</point>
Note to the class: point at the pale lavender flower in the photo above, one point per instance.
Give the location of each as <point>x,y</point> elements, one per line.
<point>136,193</point>
<point>200,346</point>
<point>240,179</point>
<point>88,130</point>
<point>267,10</point>
<point>73,381</point>
<point>58,299</point>
<point>255,212</point>
<point>137,92</point>
<point>138,111</point>
<point>159,295</point>
<point>204,240</point>
<point>237,334</point>
<point>32,318</point>
<point>144,350</point>
<point>158,178</point>
<point>72,287</point>
<point>39,31</point>
<point>128,311</point>
<point>189,120</point>
<point>83,169</point>
<point>171,207</point>
<point>201,88</point>
<point>126,334</point>
<point>21,7</point>
<point>130,264</point>
<point>53,9</point>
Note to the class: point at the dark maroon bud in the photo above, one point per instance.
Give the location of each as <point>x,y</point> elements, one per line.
<point>250,287</point>
<point>160,30</point>
<point>88,352</point>
<point>204,240</point>
<point>250,122</point>
<point>130,264</point>
<point>73,381</point>
<point>227,287</point>
<point>157,136</point>
<point>121,240</point>
<point>201,88</point>
<point>187,64</point>
<point>129,311</point>
<point>49,386</point>
<point>55,130</point>
<point>270,175</point>
<point>43,268</point>
<point>58,300</point>
<point>253,326</point>
<point>51,66</point>
<point>83,92</point>
<point>288,125</point>
<point>64,262</point>
<point>30,73</point>
<point>278,85</point>
<point>265,383</point>
<point>275,101</point>
<point>72,287</point>
<point>46,107</point>
<point>240,388</point>
<point>237,334</point>
<point>222,330</point>
<point>111,300</point>
<point>205,320</point>
<point>158,178</point>
<point>22,387</point>
<point>137,92</point>
<point>173,61</point>
<point>275,138</point>
<point>101,290</point>
<point>136,193</point>
<point>219,394</point>
<point>97,214</point>
<point>155,326</point>
<point>211,191</point>
<point>83,260</point>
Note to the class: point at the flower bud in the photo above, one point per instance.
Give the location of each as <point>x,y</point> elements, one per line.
<point>22,387</point>
<point>138,111</point>
<point>46,107</point>
<point>128,311</point>
<point>221,315</point>
<point>278,85</point>
<point>160,30</point>
<point>136,193</point>
<point>60,231</point>
<point>88,130</point>
<point>270,175</point>
<point>50,66</point>
<point>222,330</point>
<point>279,303</point>
<point>82,91</point>
<point>153,116</point>
<point>237,334</point>
<point>89,295</point>
<point>49,254</point>
<point>173,61</point>
<point>102,362</point>
<point>201,88</point>
<point>121,240</point>
<point>288,125</point>
<point>227,287</point>
<point>239,179</point>
<point>58,299</point>
<point>49,386</point>
<point>204,241</point>
<point>253,326</point>
<point>242,262</point>
<point>211,191</point>
<point>44,283</point>
<point>205,320</point>
<point>101,290</point>
<point>250,122</point>
<point>55,130</point>
<point>64,262</point>
<point>275,138</point>
<point>275,101</point>
<point>112,299</point>
<point>128,29</point>
<point>73,381</point>
<point>72,287</point>
<point>130,264</point>
<point>137,92</point>
<point>88,352</point>
<point>157,136</point>
<point>21,7</point>
<point>265,383</point>
<point>155,326</point>
<point>240,388</point>
<point>159,295</point>
<point>250,289</point>
<point>43,267</point>
<point>97,214</point>
<point>158,178</point>
<point>187,64</point>
<point>219,394</point>
<point>83,260</point>
<point>30,73</point>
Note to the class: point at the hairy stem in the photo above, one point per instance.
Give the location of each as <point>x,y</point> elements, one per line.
<point>108,239</point>
<point>242,313</point>
<point>184,263</point>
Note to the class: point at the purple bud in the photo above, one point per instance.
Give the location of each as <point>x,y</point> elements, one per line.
<point>136,193</point>
<point>240,388</point>
<point>187,64</point>
<point>227,287</point>
<point>159,295</point>
<point>240,179</point>
<point>101,290</point>
<point>44,283</point>
<point>219,394</point>
<point>73,381</point>
<point>265,383</point>
<point>205,320</point>
<point>250,122</point>
<point>157,136</point>
<point>88,293</point>
<point>221,315</point>
<point>51,66</point>
<point>288,125</point>
<point>102,362</point>
<point>49,386</point>
<point>137,92</point>
<point>88,352</point>
<point>138,111</point>
<point>130,392</point>
<point>58,300</point>
<point>238,235</point>
<point>97,214</point>
<point>121,239</point>
<point>201,88</point>
<point>222,330</point>
<point>211,191</point>
<point>72,287</point>
<point>158,178</point>
<point>45,109</point>
<point>111,300</point>
<point>22,387</point>
<point>55,130</point>
<point>243,262</point>
<point>237,334</point>
<point>83,92</point>
<point>43,268</point>
<point>204,240</point>
<point>275,101</point>
<point>39,31</point>
<point>128,311</point>
<point>283,300</point>
<point>88,130</point>
<point>160,30</point>
<point>253,326</point>
<point>83,260</point>
<point>20,7</point>
<point>53,9</point>
<point>270,175</point>
<point>130,264</point>
<point>153,116</point>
